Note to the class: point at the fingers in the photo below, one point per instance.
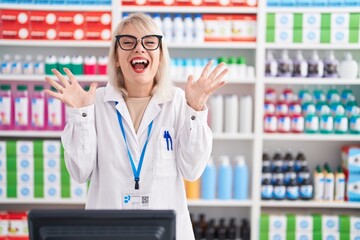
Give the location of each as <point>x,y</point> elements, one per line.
<point>62,79</point>
<point>70,75</point>
<point>206,70</point>
<point>216,71</point>
<point>54,83</point>
<point>54,94</point>
<point>93,87</point>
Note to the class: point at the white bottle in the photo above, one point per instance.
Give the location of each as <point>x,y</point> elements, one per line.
<point>348,67</point>
<point>158,21</point>
<point>168,28</point>
<point>231,113</point>
<point>245,114</point>
<point>315,66</point>
<point>271,65</point>
<point>199,29</point>
<point>28,65</point>
<point>178,29</point>
<point>217,113</point>
<point>188,29</point>
<point>6,64</point>
<point>300,65</point>
<point>39,65</point>
<point>16,65</point>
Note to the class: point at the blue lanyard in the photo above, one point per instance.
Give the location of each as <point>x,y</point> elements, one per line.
<point>137,171</point>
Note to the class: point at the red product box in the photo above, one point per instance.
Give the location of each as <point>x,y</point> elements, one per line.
<point>15,18</point>
<point>95,21</point>
<point>67,20</point>
<point>131,2</point>
<point>42,20</point>
<point>18,226</point>
<point>71,33</point>
<point>244,3</point>
<point>183,3</point>
<point>243,28</point>
<point>15,32</point>
<point>44,33</point>
<point>217,27</point>
<point>98,34</point>
<point>223,3</point>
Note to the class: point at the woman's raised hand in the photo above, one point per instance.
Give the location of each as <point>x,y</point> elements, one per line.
<point>69,90</point>
<point>197,93</point>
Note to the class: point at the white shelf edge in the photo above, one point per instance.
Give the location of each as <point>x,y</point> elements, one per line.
<point>234,136</point>
<point>318,46</point>
<point>311,81</point>
<point>54,43</point>
<point>310,204</point>
<point>57,7</point>
<point>31,134</point>
<point>219,203</point>
<point>43,201</point>
<point>23,77</point>
<point>228,82</point>
<point>220,45</point>
<point>189,9</point>
<point>310,137</point>
<point>312,9</point>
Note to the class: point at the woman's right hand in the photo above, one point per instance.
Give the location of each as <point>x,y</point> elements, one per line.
<point>69,90</point>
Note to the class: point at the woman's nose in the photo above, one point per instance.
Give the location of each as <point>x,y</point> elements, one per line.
<point>139,47</point>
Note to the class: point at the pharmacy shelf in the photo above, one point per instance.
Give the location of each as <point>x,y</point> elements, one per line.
<point>310,204</point>
<point>228,82</point>
<point>311,137</point>
<point>55,43</point>
<point>43,201</point>
<point>313,9</point>
<point>214,45</point>
<point>80,78</point>
<point>311,81</point>
<point>219,203</point>
<point>189,9</point>
<point>236,136</point>
<point>30,134</point>
<point>317,46</point>
<point>48,7</point>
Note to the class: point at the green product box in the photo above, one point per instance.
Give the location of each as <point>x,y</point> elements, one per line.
<point>317,223</point>
<point>354,36</point>
<point>264,223</point>
<point>344,223</point>
<point>325,35</point>
<point>10,163</point>
<point>38,163</point>
<point>270,20</point>
<point>298,35</point>
<point>317,235</point>
<point>344,236</point>
<point>11,178</point>
<point>65,191</point>
<point>39,191</point>
<point>290,225</point>
<point>38,148</point>
<point>325,20</point>
<point>11,191</point>
<point>270,35</point>
<point>290,235</point>
<point>298,20</point>
<point>354,21</point>
<point>10,148</point>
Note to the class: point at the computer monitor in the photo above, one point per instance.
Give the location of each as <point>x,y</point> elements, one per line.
<point>102,224</point>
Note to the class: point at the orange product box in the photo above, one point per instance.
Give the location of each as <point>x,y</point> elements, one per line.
<point>14,18</point>
<point>243,28</point>
<point>244,3</point>
<point>94,20</point>
<point>217,27</point>
<point>42,19</point>
<point>15,32</point>
<point>70,19</point>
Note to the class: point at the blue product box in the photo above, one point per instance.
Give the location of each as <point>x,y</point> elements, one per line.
<point>304,3</point>
<point>351,159</point>
<point>353,187</point>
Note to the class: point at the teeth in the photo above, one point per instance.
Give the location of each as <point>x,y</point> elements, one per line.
<point>143,61</point>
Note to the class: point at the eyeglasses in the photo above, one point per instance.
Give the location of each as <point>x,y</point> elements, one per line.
<point>129,42</point>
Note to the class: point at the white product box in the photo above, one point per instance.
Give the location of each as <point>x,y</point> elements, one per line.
<point>4,224</point>
<point>284,20</point>
<point>52,192</point>
<point>25,177</point>
<point>52,162</point>
<point>25,191</point>
<point>311,35</point>
<point>78,190</point>
<point>25,163</point>
<point>339,35</point>
<point>18,227</point>
<point>2,148</point>
<point>25,148</point>
<point>312,20</point>
<point>51,147</point>
<point>304,223</point>
<point>330,223</point>
<point>3,177</point>
<point>354,236</point>
<point>277,222</point>
<point>277,235</point>
<point>303,235</point>
<point>283,35</point>
<point>355,225</point>
<point>52,178</point>
<point>2,163</point>
<point>326,235</point>
<point>340,20</point>
<point>2,191</point>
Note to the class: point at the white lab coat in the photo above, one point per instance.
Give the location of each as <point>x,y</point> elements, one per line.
<point>95,150</point>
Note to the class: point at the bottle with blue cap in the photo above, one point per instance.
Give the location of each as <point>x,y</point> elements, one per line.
<point>208,181</point>
<point>241,178</point>
<point>225,178</point>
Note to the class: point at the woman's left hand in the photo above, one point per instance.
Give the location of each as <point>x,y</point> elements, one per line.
<point>197,93</point>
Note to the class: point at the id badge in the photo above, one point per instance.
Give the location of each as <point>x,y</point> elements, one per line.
<point>136,199</point>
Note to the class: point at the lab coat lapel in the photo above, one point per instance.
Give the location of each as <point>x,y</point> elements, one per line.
<point>151,112</point>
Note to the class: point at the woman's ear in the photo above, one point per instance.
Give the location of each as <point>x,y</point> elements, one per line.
<point>117,64</point>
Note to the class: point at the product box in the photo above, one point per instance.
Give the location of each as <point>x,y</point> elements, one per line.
<point>52,184</point>
<point>25,177</point>
<point>270,35</point>
<point>330,235</point>
<point>78,190</point>
<point>42,19</point>
<point>350,156</point>
<point>277,235</point>
<point>25,148</point>
<point>25,163</point>
<point>311,35</point>
<point>355,225</point>
<point>339,35</point>
<point>4,224</point>
<point>94,20</point>
<point>283,35</point>
<point>2,148</point>
<point>301,235</point>
<point>18,224</point>
<point>98,34</point>
<point>311,20</point>
<point>284,20</point>
<point>277,222</point>
<point>354,21</point>
<point>70,20</point>
<point>270,20</point>
<point>51,162</point>
<point>325,20</point>
<point>15,18</point>
<point>25,191</point>
<point>330,223</point>
<point>353,187</point>
<point>14,32</point>
<point>243,28</point>
<point>354,35</point>
<point>340,20</point>
<point>304,223</point>
<point>2,163</point>
<point>244,3</point>
<point>2,191</point>
<point>217,27</point>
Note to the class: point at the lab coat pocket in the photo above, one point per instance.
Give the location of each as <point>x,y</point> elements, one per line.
<point>165,164</point>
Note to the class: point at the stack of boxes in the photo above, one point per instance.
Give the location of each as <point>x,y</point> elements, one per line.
<point>36,170</point>
<point>351,165</point>
<point>339,28</point>
<point>314,226</point>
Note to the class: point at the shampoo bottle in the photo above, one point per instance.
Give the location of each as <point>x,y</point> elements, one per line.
<point>208,181</point>
<point>241,179</point>
<point>348,67</point>
<point>225,178</point>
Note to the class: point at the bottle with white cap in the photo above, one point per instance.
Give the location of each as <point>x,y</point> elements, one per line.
<point>77,65</point>
<point>6,64</point>
<point>28,65</point>
<point>39,66</point>
<point>348,67</point>
<point>199,29</point>
<point>16,65</point>
<point>188,29</point>
<point>208,181</point>
<point>240,178</point>
<point>178,28</point>
<point>168,28</point>
<point>225,178</point>
<point>50,63</point>
<point>64,62</point>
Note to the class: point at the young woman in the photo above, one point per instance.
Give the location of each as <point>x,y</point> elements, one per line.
<point>137,138</point>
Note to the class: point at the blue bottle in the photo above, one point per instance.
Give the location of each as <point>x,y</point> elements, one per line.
<point>225,178</point>
<point>241,179</point>
<point>208,181</point>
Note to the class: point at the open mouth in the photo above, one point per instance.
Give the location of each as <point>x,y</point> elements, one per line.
<point>139,64</point>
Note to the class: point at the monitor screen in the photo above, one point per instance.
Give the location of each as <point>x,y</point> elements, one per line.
<point>101,224</point>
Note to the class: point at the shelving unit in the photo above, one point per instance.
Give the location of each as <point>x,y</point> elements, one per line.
<point>249,145</point>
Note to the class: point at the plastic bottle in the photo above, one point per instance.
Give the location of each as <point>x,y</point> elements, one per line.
<point>50,63</point>
<point>300,65</point>
<point>347,95</point>
<point>330,66</point>
<point>193,189</point>
<point>271,65</point>
<point>21,108</point>
<point>178,29</point>
<point>208,181</point>
<point>340,183</point>
<point>221,230</point>
<point>311,120</point>
<point>266,189</point>
<point>277,160</point>
<point>306,189</point>
<point>329,184</point>
<point>233,69</point>
<point>168,28</point>
<point>245,230</point>
<point>38,108</point>
<point>233,229</point>
<point>341,123</point>
<point>102,63</point>
<point>245,114</point>
<point>6,64</point>
<point>300,161</point>
<point>55,113</point>
<point>199,29</point>
<point>6,107</point>
<point>231,113</point>
<point>288,160</point>
<point>354,121</point>
<point>266,162</point>
<point>241,179</point>
<point>292,190</point>
<point>157,19</point>
<point>279,191</point>
<point>319,183</point>
<point>225,178</point>
<point>77,65</point>
<point>217,113</point>
<point>16,65</point>
<point>28,65</point>
<point>90,65</point>
<point>188,29</point>
<point>39,66</point>
<point>348,67</point>
<point>315,66</point>
<point>210,231</point>
<point>285,65</point>
<point>289,175</point>
<point>326,121</point>
<point>303,174</point>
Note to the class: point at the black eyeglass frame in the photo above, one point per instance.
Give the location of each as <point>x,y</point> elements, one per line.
<point>118,37</point>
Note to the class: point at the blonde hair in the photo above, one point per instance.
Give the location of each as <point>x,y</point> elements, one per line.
<point>116,76</point>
